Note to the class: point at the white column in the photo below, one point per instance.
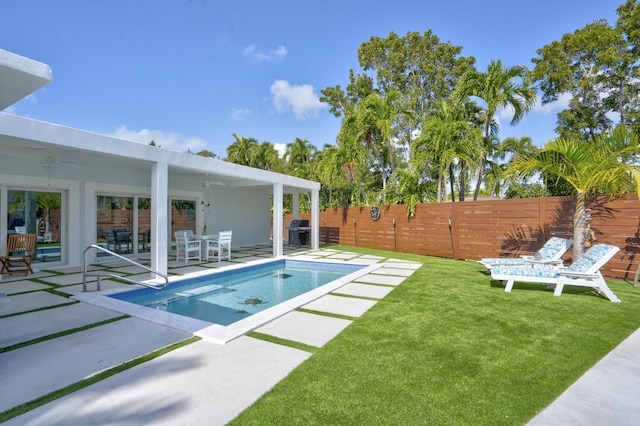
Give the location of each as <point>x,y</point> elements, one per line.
<point>278,192</point>
<point>295,206</point>
<point>159,217</point>
<point>315,219</point>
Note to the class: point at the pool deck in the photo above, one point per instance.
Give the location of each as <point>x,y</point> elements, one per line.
<point>203,382</point>
<point>210,383</point>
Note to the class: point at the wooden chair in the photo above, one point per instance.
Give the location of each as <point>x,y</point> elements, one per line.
<point>21,250</point>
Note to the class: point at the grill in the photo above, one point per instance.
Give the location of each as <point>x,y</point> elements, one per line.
<point>299,232</point>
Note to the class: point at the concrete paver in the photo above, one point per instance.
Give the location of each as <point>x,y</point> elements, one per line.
<point>36,370</point>
<point>30,301</point>
<point>365,290</point>
<point>22,328</point>
<point>200,384</point>
<point>340,305</point>
<point>310,329</point>
<point>381,279</point>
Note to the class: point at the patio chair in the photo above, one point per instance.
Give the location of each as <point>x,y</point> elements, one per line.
<point>550,254</point>
<point>20,253</point>
<point>222,243</point>
<point>187,248</point>
<point>584,272</point>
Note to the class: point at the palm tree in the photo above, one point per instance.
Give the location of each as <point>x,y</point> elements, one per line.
<point>408,188</point>
<point>242,150</point>
<point>381,114</point>
<point>298,156</point>
<point>266,157</point>
<point>605,165</point>
<point>499,87</point>
<point>447,138</point>
<point>372,122</point>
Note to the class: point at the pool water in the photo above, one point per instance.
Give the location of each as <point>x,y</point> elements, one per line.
<point>226,297</point>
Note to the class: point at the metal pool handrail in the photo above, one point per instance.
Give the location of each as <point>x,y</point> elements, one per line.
<point>101,274</point>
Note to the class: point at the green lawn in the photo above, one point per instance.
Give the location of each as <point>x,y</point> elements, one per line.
<point>450,347</point>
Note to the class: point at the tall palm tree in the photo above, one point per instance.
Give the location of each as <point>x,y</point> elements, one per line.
<point>499,87</point>
<point>298,156</point>
<point>447,138</point>
<point>606,165</point>
<point>242,150</point>
<point>380,115</point>
<point>266,157</point>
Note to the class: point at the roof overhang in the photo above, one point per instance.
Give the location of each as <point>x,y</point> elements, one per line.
<point>20,77</point>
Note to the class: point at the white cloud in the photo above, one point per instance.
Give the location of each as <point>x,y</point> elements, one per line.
<point>552,107</point>
<point>273,55</point>
<point>172,141</point>
<point>301,99</point>
<point>281,148</point>
<point>239,114</point>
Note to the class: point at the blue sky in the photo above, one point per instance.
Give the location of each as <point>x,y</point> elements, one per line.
<point>190,73</point>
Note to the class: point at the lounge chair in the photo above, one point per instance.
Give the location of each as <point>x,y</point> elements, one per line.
<point>185,246</point>
<point>20,253</point>
<point>222,243</point>
<point>583,272</point>
<point>550,254</point>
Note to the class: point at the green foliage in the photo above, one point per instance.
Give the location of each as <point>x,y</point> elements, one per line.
<point>607,165</point>
<point>525,190</point>
<point>598,65</point>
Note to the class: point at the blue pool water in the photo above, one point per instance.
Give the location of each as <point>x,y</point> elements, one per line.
<point>229,296</point>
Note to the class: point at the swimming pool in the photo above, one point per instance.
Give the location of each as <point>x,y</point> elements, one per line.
<point>232,297</point>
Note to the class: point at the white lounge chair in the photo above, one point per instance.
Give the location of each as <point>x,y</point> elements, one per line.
<point>583,272</point>
<point>187,248</point>
<point>222,243</point>
<point>550,254</point>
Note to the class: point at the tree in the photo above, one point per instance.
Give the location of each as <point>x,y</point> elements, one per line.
<point>598,67</point>
<point>607,165</point>
<point>419,66</point>
<point>242,150</point>
<point>266,157</point>
<point>499,87</point>
<point>206,153</point>
<point>448,137</point>
<point>298,156</point>
<point>407,188</point>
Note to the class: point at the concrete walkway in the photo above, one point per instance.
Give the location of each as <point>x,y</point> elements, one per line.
<point>200,383</point>
<point>607,394</point>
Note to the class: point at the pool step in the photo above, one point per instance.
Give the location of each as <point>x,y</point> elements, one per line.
<point>199,290</point>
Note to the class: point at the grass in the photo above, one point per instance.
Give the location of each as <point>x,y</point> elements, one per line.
<point>450,347</point>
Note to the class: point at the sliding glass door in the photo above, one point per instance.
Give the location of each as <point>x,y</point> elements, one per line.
<point>40,213</point>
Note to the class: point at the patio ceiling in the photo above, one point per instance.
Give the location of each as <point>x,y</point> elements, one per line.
<point>72,159</point>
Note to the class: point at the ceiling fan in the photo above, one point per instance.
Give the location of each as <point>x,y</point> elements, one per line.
<point>207,183</point>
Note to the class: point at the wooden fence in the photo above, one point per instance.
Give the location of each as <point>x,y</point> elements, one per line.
<point>487,228</point>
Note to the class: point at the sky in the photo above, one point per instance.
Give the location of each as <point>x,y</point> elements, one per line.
<point>188,74</point>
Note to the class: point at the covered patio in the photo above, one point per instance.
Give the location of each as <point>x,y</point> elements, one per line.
<point>75,188</point>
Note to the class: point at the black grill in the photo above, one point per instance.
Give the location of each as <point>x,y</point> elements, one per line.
<point>299,232</point>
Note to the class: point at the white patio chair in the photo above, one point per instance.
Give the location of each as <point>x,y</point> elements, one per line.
<point>186,248</point>
<point>549,254</point>
<point>222,243</point>
<point>584,272</point>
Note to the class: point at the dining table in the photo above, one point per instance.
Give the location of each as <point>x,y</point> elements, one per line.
<point>204,238</point>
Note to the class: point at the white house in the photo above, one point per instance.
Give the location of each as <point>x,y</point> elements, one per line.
<point>98,183</point>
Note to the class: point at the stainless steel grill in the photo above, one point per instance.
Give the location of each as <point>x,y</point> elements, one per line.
<point>299,232</point>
